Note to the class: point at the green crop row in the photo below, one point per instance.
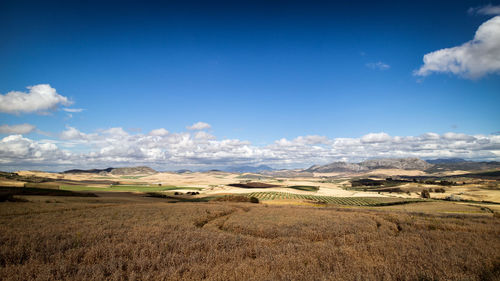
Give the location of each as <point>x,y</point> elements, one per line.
<point>350,201</point>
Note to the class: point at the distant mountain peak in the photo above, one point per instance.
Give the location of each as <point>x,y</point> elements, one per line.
<point>248,169</point>
<point>336,167</point>
<point>133,170</point>
<point>372,164</point>
<point>409,163</point>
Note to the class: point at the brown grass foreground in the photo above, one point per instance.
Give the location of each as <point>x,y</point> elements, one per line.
<point>148,239</point>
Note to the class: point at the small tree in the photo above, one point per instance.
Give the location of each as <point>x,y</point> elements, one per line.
<point>425,194</point>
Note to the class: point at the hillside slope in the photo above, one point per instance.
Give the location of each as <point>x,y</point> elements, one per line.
<point>390,163</point>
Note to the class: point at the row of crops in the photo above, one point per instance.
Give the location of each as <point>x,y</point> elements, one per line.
<point>351,201</point>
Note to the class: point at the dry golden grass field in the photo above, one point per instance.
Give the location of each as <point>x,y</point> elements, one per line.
<point>126,236</point>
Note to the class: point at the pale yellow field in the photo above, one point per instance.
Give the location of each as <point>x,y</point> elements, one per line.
<point>218,183</point>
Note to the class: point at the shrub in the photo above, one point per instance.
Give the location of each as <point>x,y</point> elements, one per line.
<point>425,194</point>
<point>157,195</point>
<point>444,182</point>
<point>254,200</point>
<point>439,190</point>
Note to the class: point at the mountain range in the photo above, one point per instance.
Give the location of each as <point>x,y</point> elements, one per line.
<point>389,163</point>
<point>429,166</point>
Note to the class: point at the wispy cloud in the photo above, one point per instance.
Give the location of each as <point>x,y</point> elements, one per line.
<point>73,110</point>
<point>199,126</point>
<point>40,99</point>
<point>378,65</point>
<point>488,10</point>
<point>473,59</point>
<point>17,129</point>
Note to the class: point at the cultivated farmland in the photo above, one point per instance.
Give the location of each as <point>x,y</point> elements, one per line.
<point>145,238</point>
<point>351,201</point>
<point>200,227</point>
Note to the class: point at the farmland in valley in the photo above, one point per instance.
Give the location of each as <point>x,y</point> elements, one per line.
<point>351,201</point>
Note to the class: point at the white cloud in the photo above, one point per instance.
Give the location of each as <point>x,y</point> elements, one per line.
<point>73,110</point>
<point>17,149</point>
<point>312,140</point>
<point>378,65</point>
<point>473,59</point>
<point>199,126</point>
<point>488,10</point>
<point>72,134</point>
<point>117,132</point>
<point>458,137</point>
<point>39,99</point>
<point>203,136</point>
<point>158,132</point>
<point>430,136</point>
<point>115,147</point>
<point>375,138</point>
<point>17,129</point>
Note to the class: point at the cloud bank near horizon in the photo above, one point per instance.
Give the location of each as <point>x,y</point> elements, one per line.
<point>200,150</point>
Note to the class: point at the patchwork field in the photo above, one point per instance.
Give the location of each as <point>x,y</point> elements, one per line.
<point>196,226</point>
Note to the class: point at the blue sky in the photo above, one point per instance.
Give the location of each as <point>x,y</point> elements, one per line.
<point>256,71</point>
